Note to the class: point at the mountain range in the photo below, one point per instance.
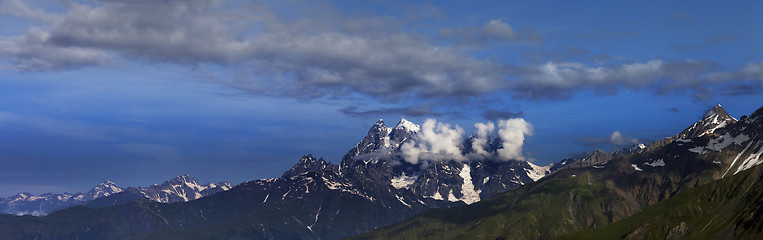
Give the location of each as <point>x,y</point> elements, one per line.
<point>701,183</point>
<point>480,197</point>
<point>179,189</point>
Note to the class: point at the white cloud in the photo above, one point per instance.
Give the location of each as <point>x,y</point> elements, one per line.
<point>440,141</point>
<point>481,138</point>
<point>499,29</point>
<point>35,52</point>
<point>320,52</point>
<point>618,139</point>
<point>434,142</point>
<point>493,31</point>
<point>19,9</point>
<point>512,134</point>
<point>302,57</point>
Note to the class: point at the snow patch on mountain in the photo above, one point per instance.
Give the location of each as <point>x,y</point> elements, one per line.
<point>401,200</point>
<point>437,196</point>
<point>636,167</point>
<point>467,188</point>
<point>736,158</point>
<point>724,141</point>
<point>658,163</point>
<point>403,181</point>
<point>344,187</point>
<point>720,143</point>
<point>752,160</point>
<point>537,172</point>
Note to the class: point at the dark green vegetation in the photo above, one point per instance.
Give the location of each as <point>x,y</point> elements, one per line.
<point>727,209</point>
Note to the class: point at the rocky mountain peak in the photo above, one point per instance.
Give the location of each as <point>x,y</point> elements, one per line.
<point>717,111</point>
<point>103,189</point>
<point>307,163</point>
<point>183,179</point>
<point>403,131</point>
<point>715,118</point>
<point>378,127</point>
<point>407,125</point>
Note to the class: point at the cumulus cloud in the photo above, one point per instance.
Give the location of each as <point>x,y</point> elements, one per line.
<point>481,140</point>
<point>512,134</point>
<point>440,141</point>
<point>435,142</point>
<point>617,138</point>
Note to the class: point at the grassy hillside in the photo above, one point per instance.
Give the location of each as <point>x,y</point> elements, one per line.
<point>727,209</point>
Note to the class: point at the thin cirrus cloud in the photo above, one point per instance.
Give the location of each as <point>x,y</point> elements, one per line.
<point>332,57</point>
<point>411,111</point>
<point>493,31</point>
<point>495,115</point>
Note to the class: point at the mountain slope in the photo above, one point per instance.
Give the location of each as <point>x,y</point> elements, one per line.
<point>584,198</point>
<point>727,209</point>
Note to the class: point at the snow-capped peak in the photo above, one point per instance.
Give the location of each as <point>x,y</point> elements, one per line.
<point>714,119</point>
<point>182,188</point>
<point>188,182</point>
<point>103,189</point>
<point>109,186</point>
<point>718,114</point>
<point>408,126</point>
<point>380,123</point>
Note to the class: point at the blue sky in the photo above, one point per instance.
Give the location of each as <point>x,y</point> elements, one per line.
<point>138,92</point>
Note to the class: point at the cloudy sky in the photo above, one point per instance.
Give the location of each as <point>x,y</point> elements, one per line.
<point>139,91</point>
